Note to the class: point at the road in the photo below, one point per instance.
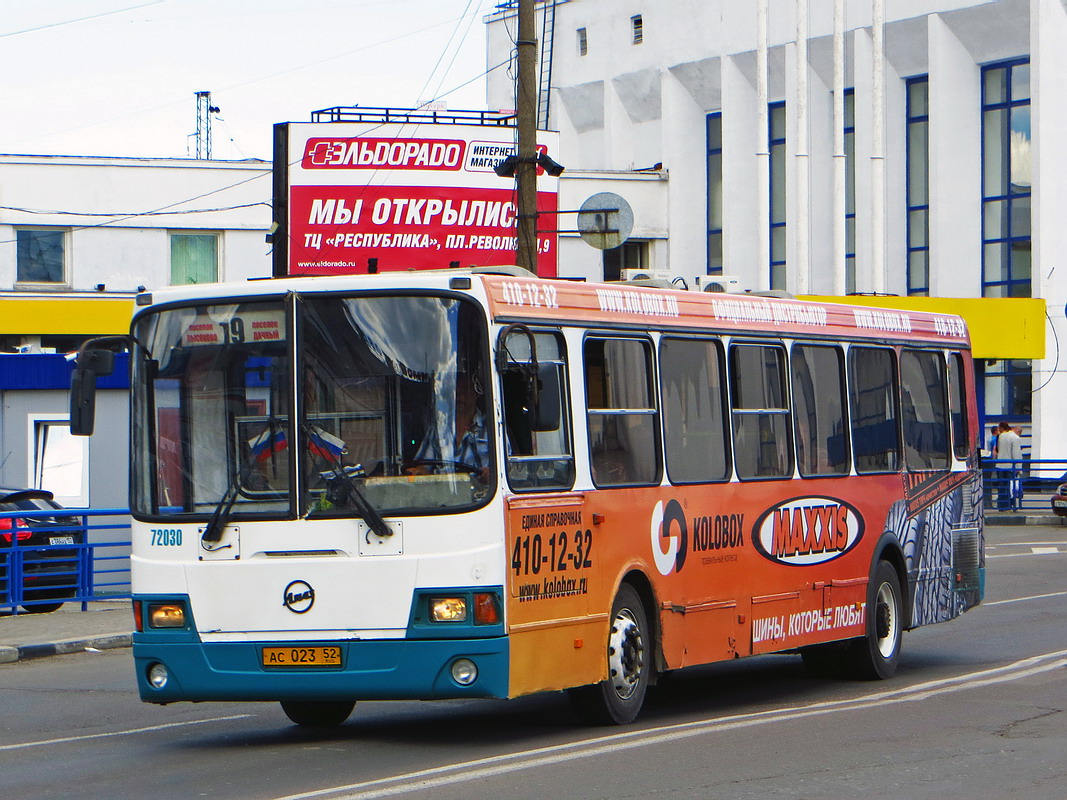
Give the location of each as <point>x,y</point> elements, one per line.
<point>975,711</point>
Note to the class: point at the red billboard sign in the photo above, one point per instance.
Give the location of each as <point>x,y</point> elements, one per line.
<point>410,196</point>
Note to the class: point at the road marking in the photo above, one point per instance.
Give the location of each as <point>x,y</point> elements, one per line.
<point>1034,551</point>
<point>1021,599</point>
<point>1043,551</point>
<point>493,766</point>
<point>167,726</point>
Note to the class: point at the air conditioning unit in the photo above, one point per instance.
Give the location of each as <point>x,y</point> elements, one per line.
<point>646,274</point>
<point>724,284</point>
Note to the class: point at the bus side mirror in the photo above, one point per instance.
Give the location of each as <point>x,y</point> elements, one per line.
<point>83,388</point>
<point>546,415</point>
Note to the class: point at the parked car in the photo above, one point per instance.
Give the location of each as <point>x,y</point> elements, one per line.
<point>49,570</point>
<point>1059,501</point>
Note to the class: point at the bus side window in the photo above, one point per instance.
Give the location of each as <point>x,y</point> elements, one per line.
<point>762,443</point>
<point>957,406</point>
<point>537,437</point>
<point>622,418</point>
<point>925,411</point>
<point>696,440</point>
<point>818,373</point>
<point>872,381</point>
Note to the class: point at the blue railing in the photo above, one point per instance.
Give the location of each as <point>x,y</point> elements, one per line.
<point>89,559</point>
<point>1026,485</point>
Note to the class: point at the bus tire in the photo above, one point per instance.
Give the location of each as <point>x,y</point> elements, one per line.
<point>618,699</point>
<point>875,656</point>
<point>318,713</point>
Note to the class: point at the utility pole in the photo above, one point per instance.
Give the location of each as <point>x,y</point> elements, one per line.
<point>526,122</point>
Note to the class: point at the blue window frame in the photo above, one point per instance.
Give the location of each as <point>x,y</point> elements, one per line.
<point>776,142</point>
<point>1006,179</point>
<point>714,137</point>
<point>918,185</point>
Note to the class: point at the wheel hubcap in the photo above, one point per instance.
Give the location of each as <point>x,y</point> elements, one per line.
<point>886,623</point>
<point>626,654</point>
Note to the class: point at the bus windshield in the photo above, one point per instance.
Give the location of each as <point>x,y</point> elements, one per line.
<point>389,399</point>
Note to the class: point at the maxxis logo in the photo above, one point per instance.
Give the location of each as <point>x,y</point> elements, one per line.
<point>669,528</point>
<point>807,530</point>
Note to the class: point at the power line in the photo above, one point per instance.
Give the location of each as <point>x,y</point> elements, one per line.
<point>80,19</point>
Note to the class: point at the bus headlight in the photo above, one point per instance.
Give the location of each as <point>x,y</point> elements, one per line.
<point>448,609</point>
<point>464,672</point>
<point>158,676</point>
<point>166,615</point>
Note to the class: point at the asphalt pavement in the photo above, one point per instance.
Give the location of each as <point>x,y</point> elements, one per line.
<point>108,624</point>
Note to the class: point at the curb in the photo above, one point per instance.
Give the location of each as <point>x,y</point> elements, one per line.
<point>1025,519</point>
<point>25,652</point>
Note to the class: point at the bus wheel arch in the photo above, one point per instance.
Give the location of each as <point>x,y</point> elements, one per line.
<point>630,655</point>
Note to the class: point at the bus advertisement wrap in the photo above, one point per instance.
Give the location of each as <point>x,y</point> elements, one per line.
<point>410,196</point>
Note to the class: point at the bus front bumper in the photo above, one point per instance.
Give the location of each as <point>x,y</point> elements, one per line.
<point>170,671</point>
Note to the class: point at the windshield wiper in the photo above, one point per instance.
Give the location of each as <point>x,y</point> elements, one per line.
<point>266,439</point>
<point>345,487</point>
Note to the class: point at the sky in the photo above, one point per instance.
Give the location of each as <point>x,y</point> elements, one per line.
<point>119,77</point>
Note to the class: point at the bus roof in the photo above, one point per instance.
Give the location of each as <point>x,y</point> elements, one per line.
<point>512,298</point>
<point>615,304</point>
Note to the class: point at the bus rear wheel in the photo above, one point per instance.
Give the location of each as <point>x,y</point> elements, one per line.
<point>618,699</point>
<point>875,656</point>
<point>318,713</point>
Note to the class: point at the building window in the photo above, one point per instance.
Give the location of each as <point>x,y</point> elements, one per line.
<point>41,256</point>
<point>776,141</point>
<point>583,42</point>
<point>631,254</point>
<point>714,135</point>
<point>194,258</point>
<point>1008,386</point>
<point>60,460</point>
<point>918,186</point>
<point>638,28</point>
<point>1006,180</point>
<point>850,191</point>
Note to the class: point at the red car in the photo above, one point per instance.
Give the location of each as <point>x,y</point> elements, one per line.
<point>1059,501</point>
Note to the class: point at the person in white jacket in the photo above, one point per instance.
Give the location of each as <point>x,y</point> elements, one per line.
<point>1009,449</point>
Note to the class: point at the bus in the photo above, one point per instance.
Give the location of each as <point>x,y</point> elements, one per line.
<point>477,483</point>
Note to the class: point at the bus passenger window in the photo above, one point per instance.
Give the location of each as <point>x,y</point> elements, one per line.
<point>872,381</point>
<point>537,436</point>
<point>695,443</point>
<point>819,410</point>
<point>924,409</point>
<point>623,446</point>
<point>762,447</point>
<point>957,407</point>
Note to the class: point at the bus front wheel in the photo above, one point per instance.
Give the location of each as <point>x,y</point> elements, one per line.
<point>618,699</point>
<point>318,713</point>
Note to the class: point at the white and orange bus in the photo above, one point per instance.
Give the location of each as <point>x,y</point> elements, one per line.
<point>471,483</point>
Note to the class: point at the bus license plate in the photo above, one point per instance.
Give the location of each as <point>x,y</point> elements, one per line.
<point>301,656</point>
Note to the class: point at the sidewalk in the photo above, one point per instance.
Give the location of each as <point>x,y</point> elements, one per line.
<point>105,625</point>
<point>108,624</point>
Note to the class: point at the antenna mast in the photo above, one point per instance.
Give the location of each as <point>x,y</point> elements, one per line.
<point>204,110</point>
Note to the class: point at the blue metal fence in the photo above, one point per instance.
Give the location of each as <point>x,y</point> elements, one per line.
<point>95,566</point>
<point>1022,486</point>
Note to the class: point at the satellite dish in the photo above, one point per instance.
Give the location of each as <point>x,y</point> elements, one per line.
<point>605,220</point>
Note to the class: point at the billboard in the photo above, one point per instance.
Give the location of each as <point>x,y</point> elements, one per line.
<point>410,196</point>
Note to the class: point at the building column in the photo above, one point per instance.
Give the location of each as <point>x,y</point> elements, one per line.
<point>955,183</point>
<point>744,220</point>
<point>1048,65</point>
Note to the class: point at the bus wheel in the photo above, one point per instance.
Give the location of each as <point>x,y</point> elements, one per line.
<point>318,713</point>
<point>875,656</point>
<point>618,699</point>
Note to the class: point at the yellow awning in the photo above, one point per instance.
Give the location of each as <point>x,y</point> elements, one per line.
<point>65,314</point>
<point>1000,327</point>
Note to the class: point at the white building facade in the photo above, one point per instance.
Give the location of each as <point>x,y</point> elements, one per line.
<point>829,147</point>
<point>79,237</point>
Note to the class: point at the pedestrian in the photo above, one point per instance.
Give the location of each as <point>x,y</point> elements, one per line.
<point>1010,455</point>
